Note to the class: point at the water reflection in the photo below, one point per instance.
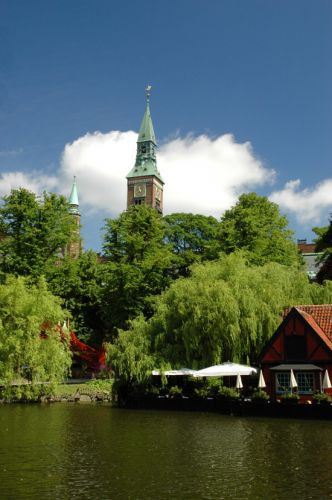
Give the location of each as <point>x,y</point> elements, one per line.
<point>95,452</point>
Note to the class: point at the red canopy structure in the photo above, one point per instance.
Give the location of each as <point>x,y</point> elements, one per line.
<point>94,357</point>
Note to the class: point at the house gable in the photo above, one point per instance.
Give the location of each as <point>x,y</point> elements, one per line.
<point>298,338</point>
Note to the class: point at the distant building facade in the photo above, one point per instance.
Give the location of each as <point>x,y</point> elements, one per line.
<point>310,257</point>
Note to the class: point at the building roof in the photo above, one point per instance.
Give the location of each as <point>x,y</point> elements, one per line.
<point>147,167</point>
<point>298,367</point>
<point>318,316</point>
<point>305,247</point>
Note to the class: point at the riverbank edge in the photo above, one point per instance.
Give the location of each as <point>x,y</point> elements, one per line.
<point>238,408</point>
<point>77,398</point>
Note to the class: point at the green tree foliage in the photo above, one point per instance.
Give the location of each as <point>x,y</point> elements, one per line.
<point>226,310</point>
<point>79,283</point>
<point>324,245</point>
<point>130,355</point>
<point>138,264</point>
<point>32,231</point>
<point>194,238</point>
<point>24,353</point>
<point>255,226</point>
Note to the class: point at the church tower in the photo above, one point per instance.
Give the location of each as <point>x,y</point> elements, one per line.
<point>145,184</point>
<point>74,247</point>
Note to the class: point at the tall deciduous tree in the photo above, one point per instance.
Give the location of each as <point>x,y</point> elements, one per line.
<point>324,245</point>
<point>79,283</point>
<point>194,238</point>
<point>226,310</point>
<point>138,264</point>
<point>33,231</point>
<point>256,226</point>
<point>25,311</point>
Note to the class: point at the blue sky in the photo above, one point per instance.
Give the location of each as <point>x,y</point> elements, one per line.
<point>258,70</point>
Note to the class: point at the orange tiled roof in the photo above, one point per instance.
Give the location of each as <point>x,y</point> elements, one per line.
<point>321,314</point>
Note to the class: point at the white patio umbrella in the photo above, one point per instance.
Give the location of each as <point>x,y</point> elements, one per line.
<point>239,384</point>
<point>226,369</point>
<point>293,383</point>
<point>175,373</point>
<point>261,381</point>
<point>326,380</point>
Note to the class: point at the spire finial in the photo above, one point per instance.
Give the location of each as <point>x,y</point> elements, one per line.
<point>148,93</point>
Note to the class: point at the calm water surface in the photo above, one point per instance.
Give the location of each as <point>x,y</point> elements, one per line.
<point>65,451</point>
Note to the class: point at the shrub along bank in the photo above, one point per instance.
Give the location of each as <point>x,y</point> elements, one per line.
<point>91,391</point>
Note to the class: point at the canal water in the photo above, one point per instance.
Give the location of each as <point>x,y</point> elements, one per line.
<point>77,451</point>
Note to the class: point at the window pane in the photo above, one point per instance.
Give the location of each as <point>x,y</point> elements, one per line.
<point>283,382</point>
<point>305,382</point>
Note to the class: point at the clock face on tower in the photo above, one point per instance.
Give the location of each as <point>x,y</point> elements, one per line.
<point>139,190</point>
<point>158,193</point>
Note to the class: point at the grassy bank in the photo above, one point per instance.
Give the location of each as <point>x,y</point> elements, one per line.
<point>92,390</point>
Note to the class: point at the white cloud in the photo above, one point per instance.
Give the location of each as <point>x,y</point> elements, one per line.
<point>308,205</point>
<point>201,174</point>
<point>34,181</point>
<point>101,163</point>
<point>206,175</point>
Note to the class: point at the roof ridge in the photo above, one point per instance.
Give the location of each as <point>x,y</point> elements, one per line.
<point>313,305</point>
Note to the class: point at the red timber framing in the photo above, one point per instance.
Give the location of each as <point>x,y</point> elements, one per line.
<point>303,343</point>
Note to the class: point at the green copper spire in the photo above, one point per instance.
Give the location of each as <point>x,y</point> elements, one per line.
<point>146,162</point>
<point>73,198</point>
<point>146,132</point>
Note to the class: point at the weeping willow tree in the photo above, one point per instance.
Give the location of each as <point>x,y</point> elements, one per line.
<point>226,310</point>
<point>27,358</point>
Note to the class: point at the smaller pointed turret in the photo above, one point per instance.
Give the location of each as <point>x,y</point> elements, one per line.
<point>74,247</point>
<point>73,198</point>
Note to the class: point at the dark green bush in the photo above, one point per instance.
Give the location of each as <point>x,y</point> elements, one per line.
<point>152,391</point>
<point>321,398</point>
<point>202,392</point>
<point>260,395</point>
<point>227,393</point>
<point>175,392</point>
<point>290,397</point>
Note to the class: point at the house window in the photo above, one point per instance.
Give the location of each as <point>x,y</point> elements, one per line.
<point>305,382</point>
<point>295,347</point>
<point>283,382</point>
